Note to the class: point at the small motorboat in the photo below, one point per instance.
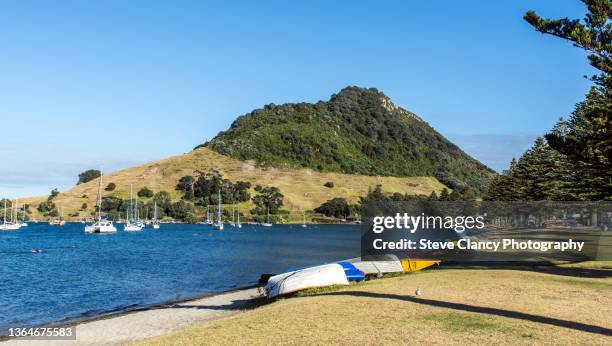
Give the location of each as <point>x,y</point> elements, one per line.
<point>294,281</point>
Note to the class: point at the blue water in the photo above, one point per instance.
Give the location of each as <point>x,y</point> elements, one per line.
<point>80,275</point>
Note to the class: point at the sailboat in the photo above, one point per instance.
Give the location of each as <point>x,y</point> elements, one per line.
<point>238,224</point>
<point>100,226</point>
<point>155,221</point>
<point>304,221</point>
<point>8,226</point>
<point>208,220</point>
<point>138,222</point>
<point>219,224</point>
<point>267,223</point>
<point>232,223</point>
<point>23,222</point>
<point>59,221</point>
<point>131,217</point>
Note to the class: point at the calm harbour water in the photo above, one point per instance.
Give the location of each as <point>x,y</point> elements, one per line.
<point>81,275</point>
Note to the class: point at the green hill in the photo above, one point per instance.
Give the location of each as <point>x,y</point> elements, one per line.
<point>358,131</point>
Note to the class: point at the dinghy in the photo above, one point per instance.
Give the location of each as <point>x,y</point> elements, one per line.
<point>379,265</point>
<point>391,264</point>
<point>319,276</point>
<point>351,272</point>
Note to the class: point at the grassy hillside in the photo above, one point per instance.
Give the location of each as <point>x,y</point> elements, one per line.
<point>303,188</point>
<point>358,131</point>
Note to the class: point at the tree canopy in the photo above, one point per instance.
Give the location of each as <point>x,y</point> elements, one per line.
<point>584,140</point>
<point>88,175</point>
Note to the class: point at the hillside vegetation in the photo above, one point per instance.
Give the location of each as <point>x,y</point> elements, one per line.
<point>303,188</point>
<point>358,131</point>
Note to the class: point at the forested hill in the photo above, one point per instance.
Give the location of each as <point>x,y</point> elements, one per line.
<point>357,131</point>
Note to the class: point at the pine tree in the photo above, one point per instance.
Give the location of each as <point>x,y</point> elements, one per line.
<point>444,195</point>
<point>586,137</point>
<point>540,174</point>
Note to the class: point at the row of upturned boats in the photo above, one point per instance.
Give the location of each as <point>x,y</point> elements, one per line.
<point>341,273</point>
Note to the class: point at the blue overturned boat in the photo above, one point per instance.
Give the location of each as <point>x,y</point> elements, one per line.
<point>351,272</point>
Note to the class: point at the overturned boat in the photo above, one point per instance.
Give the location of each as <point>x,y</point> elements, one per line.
<point>294,281</point>
<point>383,264</point>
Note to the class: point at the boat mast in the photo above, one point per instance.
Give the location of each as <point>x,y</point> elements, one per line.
<point>136,208</point>
<point>99,201</point>
<point>239,215</point>
<point>219,208</point>
<point>4,218</point>
<point>131,205</point>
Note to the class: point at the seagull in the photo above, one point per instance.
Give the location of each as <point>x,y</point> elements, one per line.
<point>417,292</point>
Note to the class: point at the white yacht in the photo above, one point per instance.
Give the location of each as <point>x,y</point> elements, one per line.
<point>233,224</point>
<point>208,220</point>
<point>267,223</point>
<point>100,226</point>
<point>219,224</point>
<point>8,226</point>
<point>155,221</point>
<point>131,217</point>
<point>23,222</point>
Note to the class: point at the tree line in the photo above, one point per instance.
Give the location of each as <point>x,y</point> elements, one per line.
<point>573,161</point>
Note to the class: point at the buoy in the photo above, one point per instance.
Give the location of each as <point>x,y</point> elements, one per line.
<point>36,251</point>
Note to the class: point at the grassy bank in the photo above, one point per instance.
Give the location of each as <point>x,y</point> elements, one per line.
<point>456,307</point>
<point>303,188</point>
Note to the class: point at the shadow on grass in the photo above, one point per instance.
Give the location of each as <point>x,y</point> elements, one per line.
<point>482,310</point>
<point>592,273</point>
<point>240,304</point>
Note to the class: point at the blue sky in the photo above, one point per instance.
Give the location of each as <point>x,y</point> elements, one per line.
<point>109,84</point>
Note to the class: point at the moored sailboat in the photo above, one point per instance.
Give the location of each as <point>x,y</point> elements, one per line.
<point>131,217</point>
<point>219,224</point>
<point>100,226</point>
<point>267,223</point>
<point>58,221</point>
<point>8,226</point>
<point>155,222</point>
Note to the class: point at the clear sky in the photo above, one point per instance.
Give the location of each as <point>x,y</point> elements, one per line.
<point>107,84</point>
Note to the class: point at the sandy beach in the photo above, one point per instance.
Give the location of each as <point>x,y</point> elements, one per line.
<point>139,325</point>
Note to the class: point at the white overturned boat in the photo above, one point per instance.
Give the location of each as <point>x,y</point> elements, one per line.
<point>380,265</point>
<point>319,276</point>
<point>390,263</point>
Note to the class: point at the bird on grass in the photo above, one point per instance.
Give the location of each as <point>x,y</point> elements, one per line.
<point>417,292</point>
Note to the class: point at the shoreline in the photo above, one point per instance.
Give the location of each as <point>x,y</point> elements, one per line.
<point>139,323</point>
